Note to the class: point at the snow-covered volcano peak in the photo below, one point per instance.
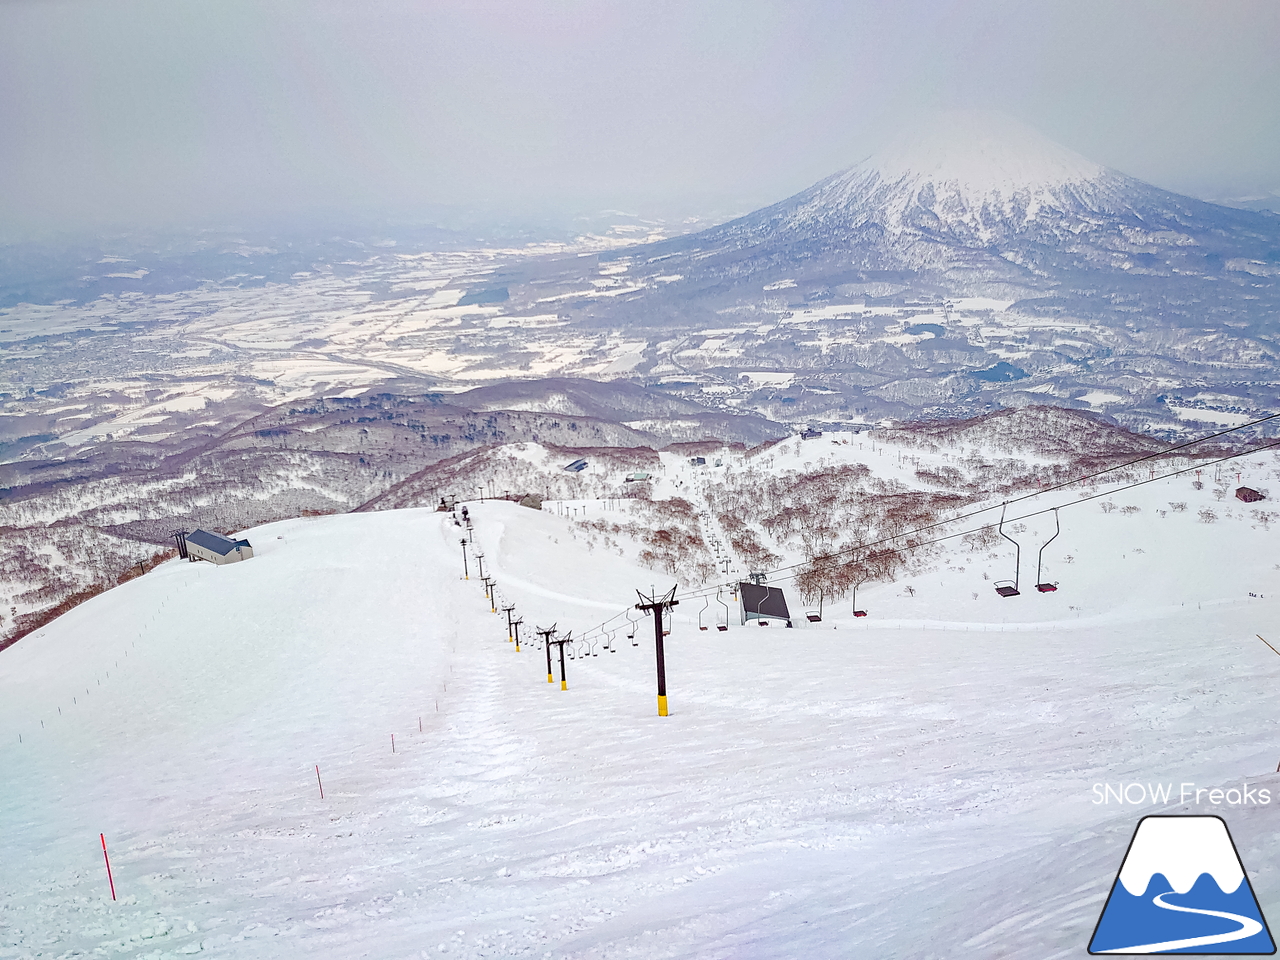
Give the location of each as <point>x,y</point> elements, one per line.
<point>970,177</point>
<point>983,152</point>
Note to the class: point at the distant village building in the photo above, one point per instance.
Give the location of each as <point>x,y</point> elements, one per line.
<point>698,461</point>
<point>1249,495</point>
<point>203,545</point>
<point>636,477</point>
<point>577,466</point>
<point>532,501</point>
<point>810,434</point>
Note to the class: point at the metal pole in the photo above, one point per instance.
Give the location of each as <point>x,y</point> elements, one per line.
<point>545,634</point>
<point>508,610</point>
<point>564,684</point>
<point>662,662</point>
<point>657,605</point>
<point>466,573</point>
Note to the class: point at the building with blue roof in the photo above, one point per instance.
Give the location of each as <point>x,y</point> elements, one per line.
<point>203,545</point>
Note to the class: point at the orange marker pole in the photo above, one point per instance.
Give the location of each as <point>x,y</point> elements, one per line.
<point>103,838</point>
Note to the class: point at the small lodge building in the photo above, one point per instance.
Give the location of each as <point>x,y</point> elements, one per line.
<point>1249,495</point>
<point>577,466</point>
<point>761,602</point>
<point>203,545</point>
<point>638,477</point>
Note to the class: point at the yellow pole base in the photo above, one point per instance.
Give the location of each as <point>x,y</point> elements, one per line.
<point>549,680</point>
<point>564,684</point>
<point>662,706</point>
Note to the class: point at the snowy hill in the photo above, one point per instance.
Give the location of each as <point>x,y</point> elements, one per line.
<point>811,790</point>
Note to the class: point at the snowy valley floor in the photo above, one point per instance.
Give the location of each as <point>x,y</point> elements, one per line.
<point>916,784</point>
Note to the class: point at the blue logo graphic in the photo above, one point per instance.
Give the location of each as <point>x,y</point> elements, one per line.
<point>1182,889</point>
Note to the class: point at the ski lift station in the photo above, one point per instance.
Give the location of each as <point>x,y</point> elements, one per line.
<point>203,545</point>
<point>763,603</point>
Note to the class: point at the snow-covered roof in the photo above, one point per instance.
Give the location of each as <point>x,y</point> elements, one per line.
<point>215,542</point>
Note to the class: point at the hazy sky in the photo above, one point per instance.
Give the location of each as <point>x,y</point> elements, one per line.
<point>125,112</point>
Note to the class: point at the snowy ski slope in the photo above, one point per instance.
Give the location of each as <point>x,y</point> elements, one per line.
<point>917,784</point>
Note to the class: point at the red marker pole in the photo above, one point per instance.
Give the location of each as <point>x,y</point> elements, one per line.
<point>103,838</point>
<point>318,782</point>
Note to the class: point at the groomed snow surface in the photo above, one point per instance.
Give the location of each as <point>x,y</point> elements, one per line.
<point>914,784</point>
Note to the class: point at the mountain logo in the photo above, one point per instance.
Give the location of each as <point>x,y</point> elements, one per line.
<point>1182,889</point>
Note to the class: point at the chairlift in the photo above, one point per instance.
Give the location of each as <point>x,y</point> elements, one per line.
<point>815,616</point>
<point>706,602</point>
<point>632,635</point>
<point>856,611</point>
<point>722,626</point>
<point>1009,588</point>
<point>1042,585</point>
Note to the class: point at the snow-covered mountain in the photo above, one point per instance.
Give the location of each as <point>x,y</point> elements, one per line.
<point>975,177</point>
<point>970,263</point>
<point>980,203</point>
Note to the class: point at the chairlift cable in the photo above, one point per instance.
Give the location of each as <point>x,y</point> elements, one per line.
<point>705,591</point>
<point>987,526</point>
<point>973,513</point>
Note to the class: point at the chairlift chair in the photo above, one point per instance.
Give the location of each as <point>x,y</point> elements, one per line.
<point>722,626</point>
<point>856,611</point>
<point>1042,585</point>
<point>815,616</point>
<point>1009,588</point>
<point>706,602</point>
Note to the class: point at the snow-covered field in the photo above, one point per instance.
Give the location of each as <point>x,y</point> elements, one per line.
<point>918,783</point>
